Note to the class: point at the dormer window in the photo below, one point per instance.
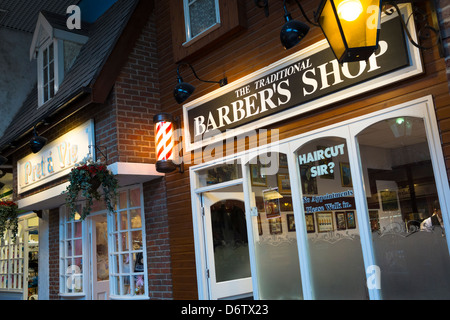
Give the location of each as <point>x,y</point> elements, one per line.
<point>55,48</point>
<point>47,84</point>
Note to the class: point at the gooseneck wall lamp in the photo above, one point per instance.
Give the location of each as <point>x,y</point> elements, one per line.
<point>37,142</point>
<point>293,31</point>
<point>164,143</point>
<point>184,90</point>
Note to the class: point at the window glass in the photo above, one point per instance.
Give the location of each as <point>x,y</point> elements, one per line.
<point>404,210</point>
<point>71,252</point>
<point>12,258</point>
<point>127,271</point>
<point>48,73</point>
<point>274,230</point>
<point>218,174</point>
<point>331,220</point>
<point>199,15</point>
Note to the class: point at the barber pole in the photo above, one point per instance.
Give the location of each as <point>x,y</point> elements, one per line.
<point>164,142</point>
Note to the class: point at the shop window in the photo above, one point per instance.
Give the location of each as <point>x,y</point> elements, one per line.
<point>199,16</point>
<point>12,260</point>
<point>72,253</point>
<point>19,259</point>
<point>333,234</point>
<point>274,228</point>
<point>128,272</point>
<point>404,210</point>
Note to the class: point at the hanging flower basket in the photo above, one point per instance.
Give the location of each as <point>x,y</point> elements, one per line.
<point>8,217</point>
<point>85,180</point>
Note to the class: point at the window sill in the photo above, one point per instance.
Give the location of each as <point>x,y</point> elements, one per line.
<point>201,35</point>
<point>128,297</point>
<point>72,295</point>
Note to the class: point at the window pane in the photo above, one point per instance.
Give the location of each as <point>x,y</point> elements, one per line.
<point>219,174</point>
<point>123,220</point>
<point>274,229</point>
<point>407,231</point>
<point>202,15</point>
<point>332,220</point>
<point>135,198</point>
<point>123,200</point>
<point>135,216</point>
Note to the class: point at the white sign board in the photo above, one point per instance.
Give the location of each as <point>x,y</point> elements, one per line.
<point>56,159</point>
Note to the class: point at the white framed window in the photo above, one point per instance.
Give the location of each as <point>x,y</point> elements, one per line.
<point>50,69</point>
<point>126,264</point>
<point>19,258</point>
<point>72,253</point>
<point>127,254</point>
<point>12,261</point>
<point>200,16</point>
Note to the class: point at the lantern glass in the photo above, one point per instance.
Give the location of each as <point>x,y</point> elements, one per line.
<point>351,27</point>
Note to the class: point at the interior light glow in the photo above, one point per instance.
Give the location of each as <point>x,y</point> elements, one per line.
<point>349,10</point>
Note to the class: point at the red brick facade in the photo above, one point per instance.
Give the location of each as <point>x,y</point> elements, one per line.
<point>124,132</point>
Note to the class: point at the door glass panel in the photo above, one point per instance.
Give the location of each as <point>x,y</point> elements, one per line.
<point>331,220</point>
<point>406,222</point>
<point>274,233</point>
<point>102,249</point>
<point>229,232</point>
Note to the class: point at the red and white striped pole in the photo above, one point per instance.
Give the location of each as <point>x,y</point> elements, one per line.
<point>164,142</point>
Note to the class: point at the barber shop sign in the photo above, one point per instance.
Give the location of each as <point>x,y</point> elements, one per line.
<point>307,80</point>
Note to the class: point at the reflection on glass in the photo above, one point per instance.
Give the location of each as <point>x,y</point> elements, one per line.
<point>230,240</point>
<point>331,220</point>
<point>135,217</point>
<point>218,174</point>
<point>102,250</point>
<point>404,211</point>
<point>276,251</point>
<point>135,197</point>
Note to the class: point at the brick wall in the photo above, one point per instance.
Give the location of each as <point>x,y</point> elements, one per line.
<point>157,241</point>
<point>137,100</point>
<point>53,243</point>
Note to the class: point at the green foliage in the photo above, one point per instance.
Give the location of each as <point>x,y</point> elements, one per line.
<point>8,217</point>
<point>85,179</point>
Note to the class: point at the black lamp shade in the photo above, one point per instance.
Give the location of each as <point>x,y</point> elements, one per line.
<point>182,91</point>
<point>37,143</point>
<point>292,32</point>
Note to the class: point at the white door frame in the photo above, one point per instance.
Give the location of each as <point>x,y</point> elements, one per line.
<point>93,268</point>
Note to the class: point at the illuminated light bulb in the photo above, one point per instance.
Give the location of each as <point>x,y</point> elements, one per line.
<point>400,120</point>
<point>349,10</point>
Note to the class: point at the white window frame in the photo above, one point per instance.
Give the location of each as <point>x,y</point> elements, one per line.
<point>116,293</point>
<point>58,68</point>
<point>187,22</point>
<point>421,107</point>
<point>72,275</point>
<point>86,272</point>
<point>20,247</point>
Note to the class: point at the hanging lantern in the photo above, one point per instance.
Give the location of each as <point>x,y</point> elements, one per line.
<point>164,142</point>
<point>351,27</point>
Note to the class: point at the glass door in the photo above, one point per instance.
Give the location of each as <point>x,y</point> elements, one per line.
<point>227,244</point>
<point>100,265</point>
